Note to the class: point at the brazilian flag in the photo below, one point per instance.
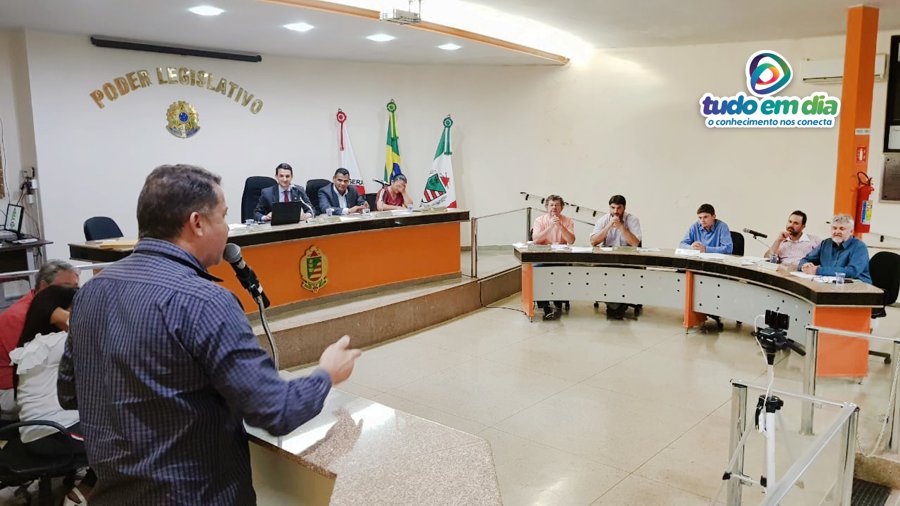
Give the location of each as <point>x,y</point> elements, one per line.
<point>392,146</point>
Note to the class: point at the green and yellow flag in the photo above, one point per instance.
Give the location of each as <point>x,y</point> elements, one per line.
<point>392,146</point>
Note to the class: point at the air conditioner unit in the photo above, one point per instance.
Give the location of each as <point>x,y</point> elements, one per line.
<point>831,70</point>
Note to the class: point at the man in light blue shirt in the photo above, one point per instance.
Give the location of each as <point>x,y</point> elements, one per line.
<point>707,234</point>
<point>842,253</point>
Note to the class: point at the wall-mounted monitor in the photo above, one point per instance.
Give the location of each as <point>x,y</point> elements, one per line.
<point>14,215</point>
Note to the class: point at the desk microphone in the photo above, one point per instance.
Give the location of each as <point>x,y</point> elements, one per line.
<point>244,273</point>
<point>755,234</point>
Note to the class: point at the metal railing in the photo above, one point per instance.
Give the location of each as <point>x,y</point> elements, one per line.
<point>527,212</point>
<point>30,274</point>
<point>578,207</point>
<point>473,226</point>
<point>809,377</point>
<point>843,429</point>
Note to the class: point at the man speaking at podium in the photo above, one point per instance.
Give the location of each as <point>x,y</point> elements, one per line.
<point>163,366</point>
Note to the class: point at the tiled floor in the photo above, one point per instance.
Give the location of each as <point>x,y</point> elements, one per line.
<point>590,411</point>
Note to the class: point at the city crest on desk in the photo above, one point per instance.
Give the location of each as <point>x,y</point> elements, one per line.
<point>314,269</point>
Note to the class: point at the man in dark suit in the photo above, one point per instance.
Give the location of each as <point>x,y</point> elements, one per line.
<point>340,196</point>
<point>284,191</point>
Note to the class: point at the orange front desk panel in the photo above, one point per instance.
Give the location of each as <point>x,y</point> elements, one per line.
<point>303,269</point>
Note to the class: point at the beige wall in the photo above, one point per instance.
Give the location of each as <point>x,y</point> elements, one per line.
<point>15,121</point>
<point>627,122</point>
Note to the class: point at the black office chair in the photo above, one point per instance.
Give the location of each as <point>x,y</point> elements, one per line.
<point>19,467</point>
<point>312,191</point>
<point>737,239</point>
<point>253,187</point>
<point>370,199</point>
<point>884,267</point>
<point>101,227</point>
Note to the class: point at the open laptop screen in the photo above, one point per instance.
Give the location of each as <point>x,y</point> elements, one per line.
<point>14,215</point>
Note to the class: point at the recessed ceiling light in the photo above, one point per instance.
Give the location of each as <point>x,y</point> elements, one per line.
<point>206,10</point>
<point>381,37</point>
<point>449,46</point>
<point>299,27</point>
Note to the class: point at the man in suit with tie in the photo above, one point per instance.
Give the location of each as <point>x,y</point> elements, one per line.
<point>341,196</point>
<point>284,191</point>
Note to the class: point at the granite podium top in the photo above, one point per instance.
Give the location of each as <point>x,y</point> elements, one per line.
<point>379,455</point>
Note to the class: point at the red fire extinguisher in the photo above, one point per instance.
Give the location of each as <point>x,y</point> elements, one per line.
<point>863,203</point>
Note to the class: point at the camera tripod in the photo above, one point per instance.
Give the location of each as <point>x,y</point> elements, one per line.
<point>768,407</point>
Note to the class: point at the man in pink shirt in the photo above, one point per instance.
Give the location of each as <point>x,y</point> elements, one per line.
<point>792,244</point>
<point>553,228</point>
<point>12,320</point>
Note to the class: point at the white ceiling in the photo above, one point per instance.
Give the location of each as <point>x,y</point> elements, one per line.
<point>652,23</point>
<point>255,26</point>
<point>250,26</point>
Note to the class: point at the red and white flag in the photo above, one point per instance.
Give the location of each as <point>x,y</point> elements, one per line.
<point>347,157</point>
<point>440,188</point>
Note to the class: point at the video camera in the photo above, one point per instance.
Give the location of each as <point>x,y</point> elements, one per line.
<point>774,337</point>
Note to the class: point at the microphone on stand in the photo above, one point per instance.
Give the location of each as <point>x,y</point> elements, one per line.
<point>755,234</point>
<point>249,281</point>
<point>244,273</point>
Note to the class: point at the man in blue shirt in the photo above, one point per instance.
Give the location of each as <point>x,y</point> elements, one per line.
<point>842,253</point>
<point>164,367</point>
<point>708,234</point>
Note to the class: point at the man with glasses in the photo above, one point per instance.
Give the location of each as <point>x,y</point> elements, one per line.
<point>841,253</point>
<point>553,228</point>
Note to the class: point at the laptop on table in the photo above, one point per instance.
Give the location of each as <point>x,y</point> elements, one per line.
<point>286,213</point>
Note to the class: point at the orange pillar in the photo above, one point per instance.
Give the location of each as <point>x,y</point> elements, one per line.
<point>856,105</point>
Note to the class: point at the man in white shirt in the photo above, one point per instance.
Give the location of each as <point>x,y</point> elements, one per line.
<point>341,197</point>
<point>792,244</point>
<point>617,228</point>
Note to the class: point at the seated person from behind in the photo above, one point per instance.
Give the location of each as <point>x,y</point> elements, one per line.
<point>841,253</point>
<point>393,196</point>
<point>553,228</point>
<point>36,360</point>
<point>617,228</point>
<point>12,321</point>
<point>707,234</point>
<point>341,196</point>
<point>284,191</point>
<point>792,244</point>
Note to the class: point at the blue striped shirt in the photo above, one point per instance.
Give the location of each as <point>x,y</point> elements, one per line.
<point>163,366</point>
<point>717,239</point>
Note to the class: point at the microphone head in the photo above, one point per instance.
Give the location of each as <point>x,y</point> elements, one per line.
<point>232,253</point>
<point>746,231</point>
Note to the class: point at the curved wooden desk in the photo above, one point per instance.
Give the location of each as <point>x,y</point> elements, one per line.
<point>698,287</point>
<point>332,256</point>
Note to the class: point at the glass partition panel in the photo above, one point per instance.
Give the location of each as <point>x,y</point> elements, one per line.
<point>494,236</point>
<point>808,468</point>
